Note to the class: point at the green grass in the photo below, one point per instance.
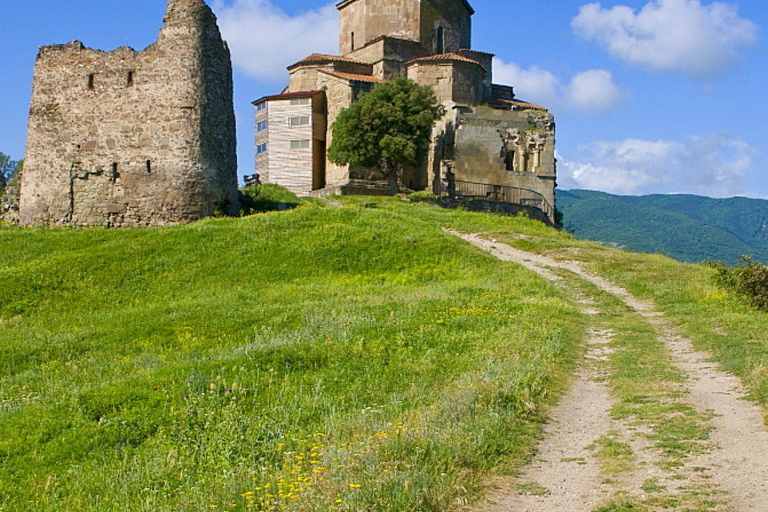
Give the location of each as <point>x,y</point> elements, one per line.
<point>621,505</point>
<point>267,197</point>
<point>615,456</point>
<point>713,318</point>
<point>355,358</point>
<point>716,320</point>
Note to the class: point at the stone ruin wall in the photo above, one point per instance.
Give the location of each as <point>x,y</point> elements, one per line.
<point>131,138</point>
<point>484,136</point>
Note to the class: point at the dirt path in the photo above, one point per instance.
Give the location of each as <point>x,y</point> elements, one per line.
<point>736,461</point>
<point>565,476</point>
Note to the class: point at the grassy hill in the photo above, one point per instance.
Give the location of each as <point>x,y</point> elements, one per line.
<point>351,358</point>
<point>304,357</point>
<point>685,227</point>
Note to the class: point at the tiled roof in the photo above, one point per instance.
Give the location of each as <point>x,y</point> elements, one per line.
<point>443,57</point>
<point>288,96</point>
<point>321,58</point>
<point>354,77</point>
<point>520,103</point>
<point>478,51</point>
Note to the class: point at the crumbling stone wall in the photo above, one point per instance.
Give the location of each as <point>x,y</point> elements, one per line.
<point>485,137</point>
<point>131,138</point>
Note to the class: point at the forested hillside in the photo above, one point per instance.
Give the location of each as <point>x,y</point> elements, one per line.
<point>685,227</point>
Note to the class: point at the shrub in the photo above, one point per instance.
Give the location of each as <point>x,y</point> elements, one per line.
<point>749,280</point>
<point>423,196</point>
<point>267,197</point>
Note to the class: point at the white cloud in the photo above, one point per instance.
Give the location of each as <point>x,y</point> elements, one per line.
<point>592,90</point>
<point>669,35</point>
<point>714,165</point>
<point>534,83</point>
<point>264,39</point>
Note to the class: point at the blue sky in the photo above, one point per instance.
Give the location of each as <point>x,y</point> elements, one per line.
<point>649,95</point>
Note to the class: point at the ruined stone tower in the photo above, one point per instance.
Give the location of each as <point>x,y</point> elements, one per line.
<point>131,138</point>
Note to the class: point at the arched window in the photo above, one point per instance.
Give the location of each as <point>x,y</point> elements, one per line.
<point>440,41</point>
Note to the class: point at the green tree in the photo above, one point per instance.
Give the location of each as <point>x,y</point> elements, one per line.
<point>387,128</point>
<point>7,169</point>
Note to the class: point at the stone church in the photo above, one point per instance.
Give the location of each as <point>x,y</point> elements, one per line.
<point>133,138</point>
<point>489,146</point>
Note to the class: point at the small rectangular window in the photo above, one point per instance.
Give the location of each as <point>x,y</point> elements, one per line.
<point>130,79</point>
<point>299,121</point>
<point>300,101</point>
<point>261,126</point>
<point>510,160</point>
<point>149,166</point>
<point>261,106</point>
<point>91,81</point>
<point>261,148</point>
<point>300,144</point>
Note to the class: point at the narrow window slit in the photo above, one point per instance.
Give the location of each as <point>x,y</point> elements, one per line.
<point>130,79</point>
<point>510,160</point>
<point>149,167</point>
<point>91,81</point>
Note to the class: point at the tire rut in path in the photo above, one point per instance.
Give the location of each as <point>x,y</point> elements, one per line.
<point>565,475</point>
<point>738,463</point>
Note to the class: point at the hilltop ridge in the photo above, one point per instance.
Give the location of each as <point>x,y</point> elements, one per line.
<point>685,227</point>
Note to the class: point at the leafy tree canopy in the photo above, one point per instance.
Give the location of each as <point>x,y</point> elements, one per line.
<point>7,169</point>
<point>387,128</point>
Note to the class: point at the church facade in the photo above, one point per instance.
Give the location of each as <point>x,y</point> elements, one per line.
<point>489,145</point>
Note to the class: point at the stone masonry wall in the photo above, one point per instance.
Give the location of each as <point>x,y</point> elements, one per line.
<point>131,138</point>
<point>455,82</point>
<point>369,19</point>
<point>455,19</point>
<point>484,136</point>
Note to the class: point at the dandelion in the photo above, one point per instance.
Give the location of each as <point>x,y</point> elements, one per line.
<point>355,486</point>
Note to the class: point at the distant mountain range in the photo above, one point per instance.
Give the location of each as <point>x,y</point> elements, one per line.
<point>685,227</point>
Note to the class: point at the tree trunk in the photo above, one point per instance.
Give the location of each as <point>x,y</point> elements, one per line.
<point>391,173</point>
<point>393,186</point>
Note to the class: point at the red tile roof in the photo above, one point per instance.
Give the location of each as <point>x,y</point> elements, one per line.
<point>520,103</point>
<point>354,77</point>
<point>446,57</point>
<point>321,58</point>
<point>288,96</point>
